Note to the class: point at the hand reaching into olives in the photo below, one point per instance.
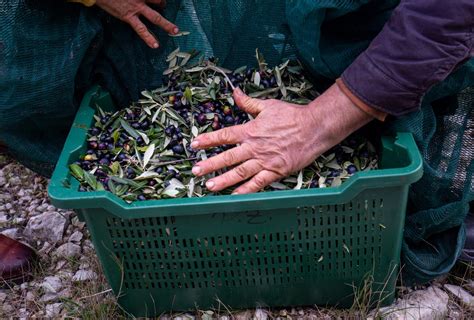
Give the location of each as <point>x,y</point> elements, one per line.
<point>130,11</point>
<point>282,139</point>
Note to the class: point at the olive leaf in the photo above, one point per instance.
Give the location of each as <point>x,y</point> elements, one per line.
<point>129,129</point>
<point>299,183</point>
<point>77,171</point>
<point>148,154</point>
<point>180,34</point>
<point>144,137</point>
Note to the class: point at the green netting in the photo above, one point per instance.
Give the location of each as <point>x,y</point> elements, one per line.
<point>51,52</point>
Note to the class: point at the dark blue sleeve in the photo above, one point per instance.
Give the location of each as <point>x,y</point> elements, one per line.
<point>421,44</point>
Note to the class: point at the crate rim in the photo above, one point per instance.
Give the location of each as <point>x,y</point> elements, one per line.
<point>64,197</point>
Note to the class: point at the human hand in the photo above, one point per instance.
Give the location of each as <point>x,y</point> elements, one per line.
<point>282,139</point>
<point>129,11</point>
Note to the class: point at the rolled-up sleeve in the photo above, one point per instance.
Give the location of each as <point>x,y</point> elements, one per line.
<point>420,45</point>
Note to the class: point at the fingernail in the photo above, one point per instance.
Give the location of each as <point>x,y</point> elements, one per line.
<point>175,30</point>
<point>155,45</point>
<point>210,184</point>
<point>194,144</point>
<point>196,170</point>
<point>235,193</point>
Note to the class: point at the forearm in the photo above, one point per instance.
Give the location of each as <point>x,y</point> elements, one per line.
<point>421,44</point>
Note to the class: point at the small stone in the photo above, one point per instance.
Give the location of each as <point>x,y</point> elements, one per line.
<point>49,297</point>
<point>84,275</point>
<point>51,284</point>
<point>243,315</point>
<point>14,181</point>
<point>68,250</point>
<point>465,297</point>
<point>12,233</point>
<point>76,237</point>
<point>53,310</point>
<point>260,315</point>
<point>24,286</point>
<point>60,265</point>
<point>22,313</point>
<point>30,296</point>
<point>6,308</point>
<point>48,226</point>
<point>84,265</point>
<point>427,304</point>
<point>3,217</point>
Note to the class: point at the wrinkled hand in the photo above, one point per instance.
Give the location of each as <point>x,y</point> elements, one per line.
<point>129,11</point>
<point>282,139</point>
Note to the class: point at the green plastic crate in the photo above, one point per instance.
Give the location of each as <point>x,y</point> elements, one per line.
<point>281,248</point>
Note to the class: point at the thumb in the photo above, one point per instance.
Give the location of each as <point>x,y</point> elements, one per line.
<point>247,104</point>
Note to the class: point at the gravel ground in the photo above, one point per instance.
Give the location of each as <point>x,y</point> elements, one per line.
<point>69,282</point>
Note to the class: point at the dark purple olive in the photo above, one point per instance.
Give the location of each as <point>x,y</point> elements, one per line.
<point>265,83</point>
<point>179,95</point>
<point>136,125</point>
<point>178,104</point>
<point>364,154</point>
<point>90,151</point>
<point>104,120</point>
<point>100,173</point>
<point>102,146</point>
<point>173,142</point>
<point>140,140</point>
<point>172,173</point>
<point>229,120</point>
<point>122,156</point>
<point>104,161</point>
<point>216,125</point>
<point>170,130</point>
<point>159,170</point>
<point>93,144</point>
<point>144,125</point>
<point>314,184</point>
<point>249,73</point>
<point>141,198</point>
<point>82,189</point>
<point>95,131</point>
<point>152,183</point>
<point>334,173</point>
<point>201,119</point>
<point>273,82</point>
<point>178,149</point>
<point>351,169</point>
